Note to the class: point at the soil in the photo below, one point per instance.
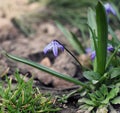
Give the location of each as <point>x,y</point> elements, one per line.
<point>13,41</point>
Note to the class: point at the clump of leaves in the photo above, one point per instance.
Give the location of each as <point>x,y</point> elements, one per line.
<point>24,98</point>
<point>100,98</point>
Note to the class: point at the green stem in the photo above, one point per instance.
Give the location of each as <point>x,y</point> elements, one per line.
<point>70,54</point>
<point>102,79</point>
<point>73,56</point>
<point>111,57</point>
<point>95,46</point>
<point>94,38</point>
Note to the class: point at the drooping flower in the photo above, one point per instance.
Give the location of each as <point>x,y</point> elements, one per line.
<point>109,9</point>
<point>54,46</point>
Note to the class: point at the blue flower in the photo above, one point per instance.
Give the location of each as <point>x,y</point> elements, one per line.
<point>54,46</point>
<point>93,53</point>
<point>110,48</point>
<point>109,9</point>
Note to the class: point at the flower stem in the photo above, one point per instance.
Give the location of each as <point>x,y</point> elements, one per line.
<point>111,57</point>
<point>70,54</point>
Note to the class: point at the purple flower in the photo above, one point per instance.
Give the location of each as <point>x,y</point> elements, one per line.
<point>93,53</point>
<point>110,48</point>
<point>88,50</point>
<point>54,46</point>
<point>109,9</point>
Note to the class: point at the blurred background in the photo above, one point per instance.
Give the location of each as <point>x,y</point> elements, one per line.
<point>24,13</point>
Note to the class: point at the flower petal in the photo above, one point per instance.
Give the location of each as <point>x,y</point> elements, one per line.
<point>110,48</point>
<point>112,10</point>
<point>109,9</point>
<point>47,48</point>
<point>88,50</point>
<point>55,50</point>
<point>92,56</point>
<point>59,46</point>
<point>54,46</point>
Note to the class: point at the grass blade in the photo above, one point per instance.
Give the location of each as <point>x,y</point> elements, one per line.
<point>45,69</point>
<point>72,39</point>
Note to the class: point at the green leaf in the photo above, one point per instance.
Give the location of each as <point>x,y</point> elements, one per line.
<point>91,75</point>
<point>116,8</point>
<point>23,26</point>
<point>104,90</point>
<point>91,20</point>
<point>95,45</point>
<point>116,100</point>
<point>102,34</point>
<point>72,39</point>
<point>112,94</point>
<point>47,70</point>
<point>98,94</point>
<point>93,97</point>
<point>115,38</point>
<point>115,72</point>
<point>77,43</point>
<point>111,57</point>
<point>85,108</point>
<point>86,101</point>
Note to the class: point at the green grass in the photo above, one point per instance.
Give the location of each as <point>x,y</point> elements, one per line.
<point>23,98</point>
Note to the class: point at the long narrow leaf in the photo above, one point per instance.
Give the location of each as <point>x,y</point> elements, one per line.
<point>102,33</point>
<point>45,69</point>
<point>115,38</point>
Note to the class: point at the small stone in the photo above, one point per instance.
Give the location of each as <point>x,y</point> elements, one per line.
<point>84,60</point>
<point>46,62</point>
